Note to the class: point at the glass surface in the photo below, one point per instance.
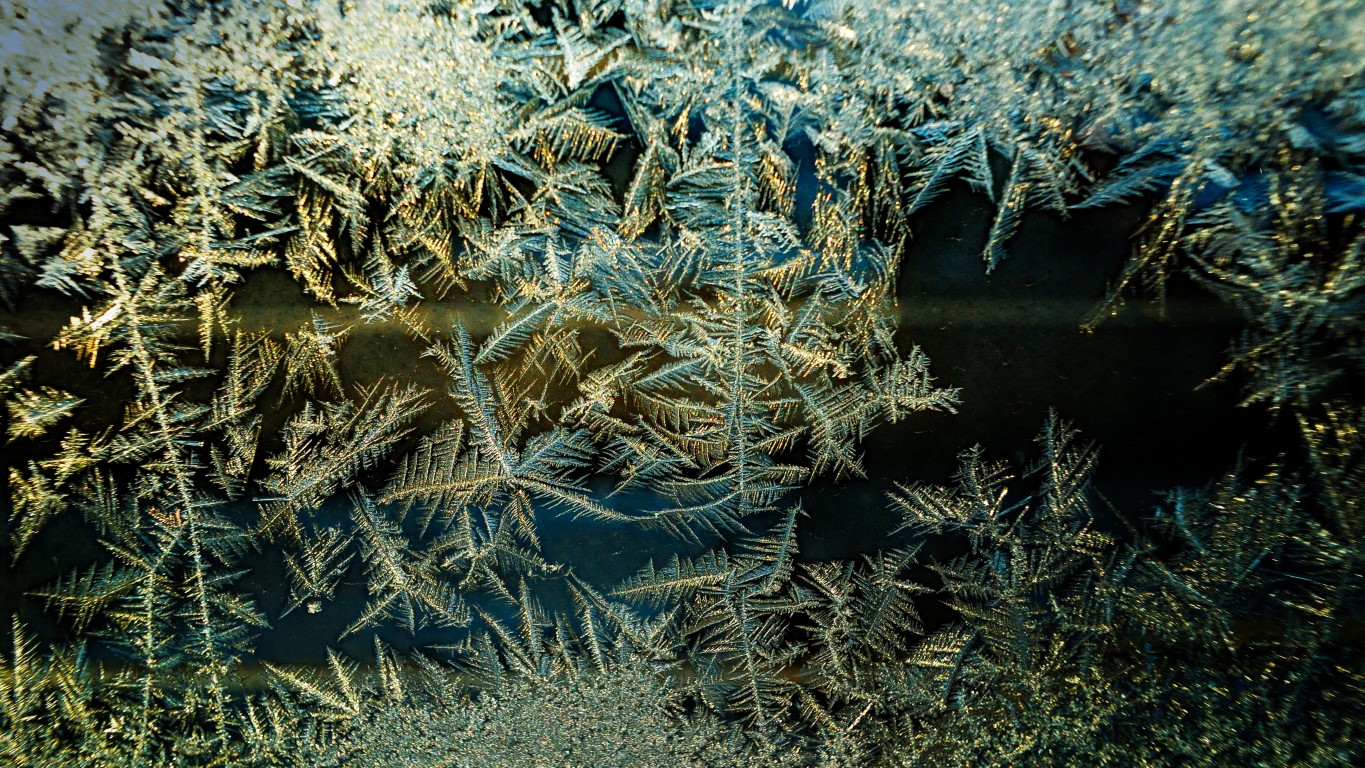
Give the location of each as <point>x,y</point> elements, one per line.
<point>682,382</point>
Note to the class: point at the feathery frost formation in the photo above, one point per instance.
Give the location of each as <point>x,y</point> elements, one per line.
<point>685,219</point>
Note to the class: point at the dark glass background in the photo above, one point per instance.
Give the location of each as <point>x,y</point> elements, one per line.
<point>1010,340</point>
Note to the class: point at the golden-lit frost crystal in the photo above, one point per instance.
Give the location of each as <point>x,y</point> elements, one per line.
<point>439,320</point>
<point>420,89</point>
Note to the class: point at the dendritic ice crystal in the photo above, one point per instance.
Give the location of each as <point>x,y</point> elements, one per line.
<point>526,345</point>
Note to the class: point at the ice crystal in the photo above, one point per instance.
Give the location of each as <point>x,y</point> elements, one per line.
<point>632,267</point>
